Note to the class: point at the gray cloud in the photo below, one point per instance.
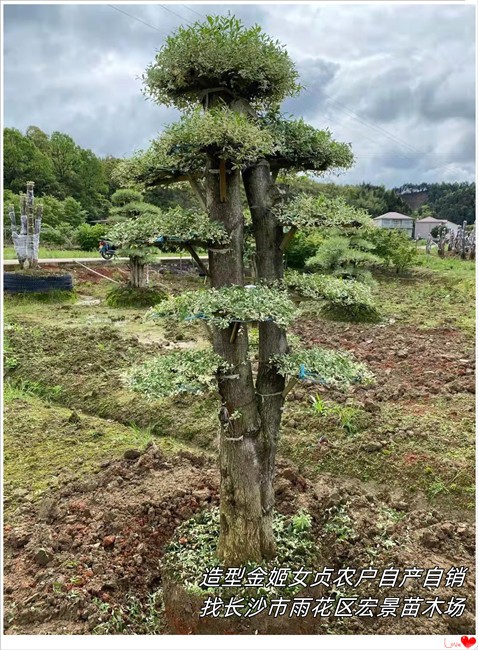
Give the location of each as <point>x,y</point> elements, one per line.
<point>397,81</point>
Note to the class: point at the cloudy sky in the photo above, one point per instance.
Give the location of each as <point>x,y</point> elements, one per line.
<point>397,81</point>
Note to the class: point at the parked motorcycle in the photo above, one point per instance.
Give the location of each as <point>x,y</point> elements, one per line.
<point>106,249</point>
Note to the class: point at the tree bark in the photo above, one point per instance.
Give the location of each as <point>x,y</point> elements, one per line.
<point>245,533</point>
<point>261,196</point>
<point>136,272</point>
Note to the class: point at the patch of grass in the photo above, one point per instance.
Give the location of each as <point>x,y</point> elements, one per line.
<point>49,297</point>
<point>88,364</point>
<point>10,361</point>
<point>34,388</point>
<point>50,253</point>
<point>42,444</point>
<point>451,265</point>
<point>351,313</point>
<point>427,448</point>
<point>440,293</point>
<point>350,418</point>
<point>126,296</point>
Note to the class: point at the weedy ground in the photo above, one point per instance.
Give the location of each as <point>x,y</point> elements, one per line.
<point>69,418</point>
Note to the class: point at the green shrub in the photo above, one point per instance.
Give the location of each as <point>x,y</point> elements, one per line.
<point>303,246</point>
<point>63,236</point>
<point>127,296</point>
<point>89,236</point>
<point>350,313</point>
<point>345,257</point>
<point>393,247</point>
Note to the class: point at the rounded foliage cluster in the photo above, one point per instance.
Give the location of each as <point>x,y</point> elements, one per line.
<point>137,235</point>
<point>125,196</point>
<point>228,134</point>
<point>329,367</point>
<point>89,235</point>
<point>309,211</point>
<point>125,295</point>
<point>345,257</point>
<point>180,226</point>
<point>220,53</point>
<point>347,300</point>
<point>230,305</point>
<point>183,371</point>
<point>301,147</point>
<point>167,229</point>
<point>157,165</point>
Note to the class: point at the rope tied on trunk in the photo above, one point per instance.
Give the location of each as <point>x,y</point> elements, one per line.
<point>268,394</point>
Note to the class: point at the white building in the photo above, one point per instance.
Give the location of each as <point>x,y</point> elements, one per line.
<point>395,220</point>
<point>423,227</point>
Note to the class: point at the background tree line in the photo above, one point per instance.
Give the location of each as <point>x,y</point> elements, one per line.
<point>76,187</point>
<point>455,202</point>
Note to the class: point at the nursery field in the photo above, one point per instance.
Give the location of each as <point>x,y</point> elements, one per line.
<point>98,477</point>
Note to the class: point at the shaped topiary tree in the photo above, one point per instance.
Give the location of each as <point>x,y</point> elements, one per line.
<point>231,80</point>
<point>134,227</point>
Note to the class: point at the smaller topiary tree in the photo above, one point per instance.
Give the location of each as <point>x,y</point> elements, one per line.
<point>134,239</point>
<point>26,241</point>
<point>345,257</point>
<point>343,251</point>
<point>126,204</point>
<point>394,247</point>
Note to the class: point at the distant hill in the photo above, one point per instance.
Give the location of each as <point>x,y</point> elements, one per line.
<point>455,202</point>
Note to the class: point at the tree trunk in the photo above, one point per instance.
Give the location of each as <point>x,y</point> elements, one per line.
<point>262,195</point>
<point>245,533</point>
<point>136,272</point>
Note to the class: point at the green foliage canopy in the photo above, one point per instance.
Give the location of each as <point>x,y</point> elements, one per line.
<point>59,168</point>
<point>345,257</point>
<point>308,211</point>
<point>347,300</point>
<point>191,226</point>
<point>232,136</point>
<point>329,367</point>
<point>220,53</point>
<point>230,304</point>
<point>172,228</point>
<point>345,293</point>
<point>393,247</point>
<point>89,236</point>
<point>135,237</point>
<point>298,146</point>
<point>183,371</point>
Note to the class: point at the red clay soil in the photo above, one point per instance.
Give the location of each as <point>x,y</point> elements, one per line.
<point>407,362</point>
<point>102,538</point>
